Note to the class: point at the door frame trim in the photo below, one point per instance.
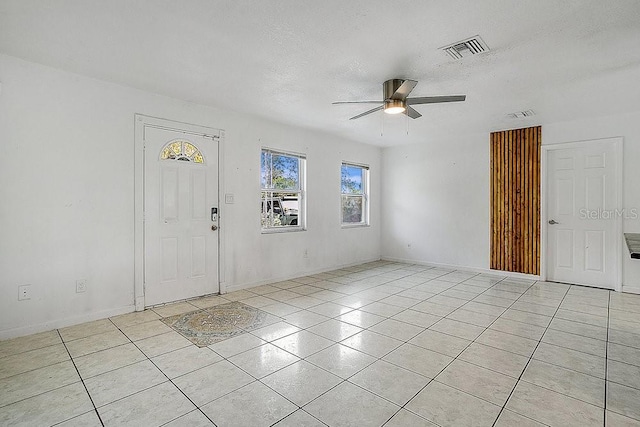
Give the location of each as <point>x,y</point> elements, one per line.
<point>618,148</point>
<point>142,121</point>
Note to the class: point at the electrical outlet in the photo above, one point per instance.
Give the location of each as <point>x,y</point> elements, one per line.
<point>81,285</point>
<point>305,253</point>
<point>24,292</point>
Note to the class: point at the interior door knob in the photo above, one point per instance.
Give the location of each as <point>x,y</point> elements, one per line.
<point>214,227</point>
<point>553,222</point>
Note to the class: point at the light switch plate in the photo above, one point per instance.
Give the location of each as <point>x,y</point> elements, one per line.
<point>228,198</point>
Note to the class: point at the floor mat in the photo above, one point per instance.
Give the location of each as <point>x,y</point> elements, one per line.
<point>211,325</point>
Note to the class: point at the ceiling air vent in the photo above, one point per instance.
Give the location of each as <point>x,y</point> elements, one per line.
<point>469,47</point>
<point>521,114</point>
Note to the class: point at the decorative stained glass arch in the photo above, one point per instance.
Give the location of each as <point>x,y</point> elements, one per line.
<point>183,151</point>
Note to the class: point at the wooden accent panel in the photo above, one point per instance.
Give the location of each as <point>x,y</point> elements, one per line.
<point>515,200</point>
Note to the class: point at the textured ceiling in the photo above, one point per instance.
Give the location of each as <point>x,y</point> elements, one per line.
<point>288,60</point>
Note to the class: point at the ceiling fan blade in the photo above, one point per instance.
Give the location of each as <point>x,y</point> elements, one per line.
<point>435,99</point>
<point>357,102</point>
<point>367,112</point>
<point>412,113</point>
<point>404,90</point>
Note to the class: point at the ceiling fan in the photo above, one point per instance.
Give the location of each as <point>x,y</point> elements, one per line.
<point>395,101</point>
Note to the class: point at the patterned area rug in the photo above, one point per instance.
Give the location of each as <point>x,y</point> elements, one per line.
<point>210,325</point>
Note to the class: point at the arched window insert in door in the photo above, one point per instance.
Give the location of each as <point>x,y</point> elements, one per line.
<point>183,151</point>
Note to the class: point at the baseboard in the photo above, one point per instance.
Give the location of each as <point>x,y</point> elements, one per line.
<point>631,289</point>
<point>63,323</point>
<point>237,287</point>
<point>466,268</point>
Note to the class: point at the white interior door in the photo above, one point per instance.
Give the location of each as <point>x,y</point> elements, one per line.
<point>180,233</point>
<point>582,202</point>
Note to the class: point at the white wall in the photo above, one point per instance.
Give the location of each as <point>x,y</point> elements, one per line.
<point>436,202</point>
<point>436,195</point>
<point>67,196</point>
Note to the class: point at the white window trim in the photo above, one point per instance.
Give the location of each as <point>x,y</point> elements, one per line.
<point>365,196</point>
<point>302,212</point>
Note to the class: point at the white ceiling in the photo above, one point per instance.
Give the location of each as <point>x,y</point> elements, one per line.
<point>288,60</point>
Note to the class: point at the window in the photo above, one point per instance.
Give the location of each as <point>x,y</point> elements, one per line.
<point>355,194</point>
<point>181,150</point>
<point>282,191</point>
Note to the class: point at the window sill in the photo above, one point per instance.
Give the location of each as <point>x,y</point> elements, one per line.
<point>355,225</point>
<point>282,230</point>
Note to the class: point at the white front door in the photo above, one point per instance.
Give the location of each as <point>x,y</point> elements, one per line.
<point>582,210</point>
<point>180,191</point>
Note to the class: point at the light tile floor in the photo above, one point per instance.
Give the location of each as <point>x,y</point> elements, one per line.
<point>378,344</point>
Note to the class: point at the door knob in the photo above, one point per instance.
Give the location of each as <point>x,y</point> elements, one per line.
<point>214,227</point>
<point>553,222</point>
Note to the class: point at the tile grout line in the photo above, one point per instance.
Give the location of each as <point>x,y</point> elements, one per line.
<point>443,317</point>
<point>299,409</point>
<point>259,380</point>
<point>148,388</point>
<point>343,380</point>
<point>532,339</point>
<point>404,309</point>
<point>171,381</point>
<point>530,358</point>
<point>454,358</point>
<point>466,347</point>
<point>81,379</point>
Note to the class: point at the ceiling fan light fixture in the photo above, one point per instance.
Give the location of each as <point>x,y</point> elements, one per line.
<point>395,106</point>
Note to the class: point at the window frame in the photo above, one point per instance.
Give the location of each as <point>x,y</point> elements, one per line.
<point>366,172</point>
<point>301,191</point>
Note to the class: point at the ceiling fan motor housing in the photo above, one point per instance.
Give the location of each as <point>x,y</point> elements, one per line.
<point>390,87</point>
<point>393,105</point>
